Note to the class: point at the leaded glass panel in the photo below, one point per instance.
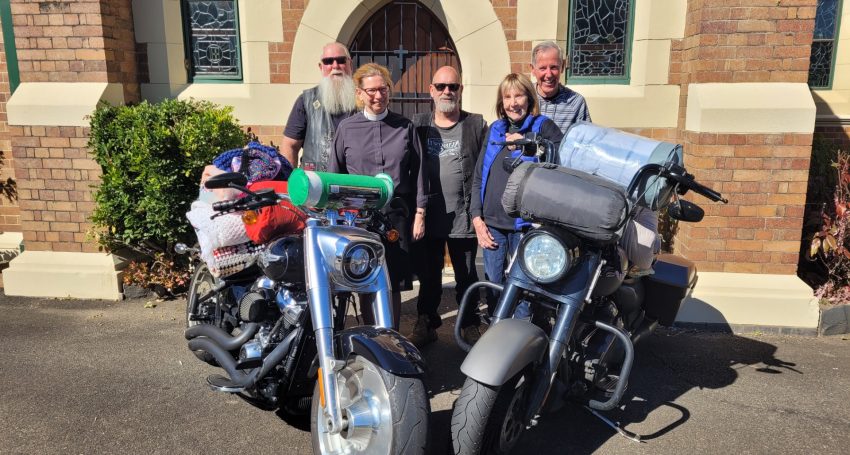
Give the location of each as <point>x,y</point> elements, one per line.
<point>599,38</point>
<point>213,37</point>
<point>823,44</point>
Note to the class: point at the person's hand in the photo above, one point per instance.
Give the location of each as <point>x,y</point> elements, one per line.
<point>485,238</point>
<point>418,227</point>
<point>513,137</point>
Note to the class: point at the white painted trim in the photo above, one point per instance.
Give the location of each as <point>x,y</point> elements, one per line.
<point>751,299</point>
<point>777,107</point>
<point>60,103</point>
<point>61,275</point>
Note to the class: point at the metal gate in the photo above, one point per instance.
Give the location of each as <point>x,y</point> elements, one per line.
<point>408,39</point>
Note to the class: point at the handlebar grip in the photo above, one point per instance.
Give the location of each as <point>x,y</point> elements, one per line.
<point>225,206</point>
<point>708,192</point>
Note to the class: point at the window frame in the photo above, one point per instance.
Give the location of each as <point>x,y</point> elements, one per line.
<point>625,79</point>
<point>9,46</point>
<point>193,77</point>
<point>835,40</point>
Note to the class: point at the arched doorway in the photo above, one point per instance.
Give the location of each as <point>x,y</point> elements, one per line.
<point>409,40</point>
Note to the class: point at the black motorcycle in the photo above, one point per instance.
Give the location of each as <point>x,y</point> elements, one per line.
<point>277,328</point>
<point>586,311</point>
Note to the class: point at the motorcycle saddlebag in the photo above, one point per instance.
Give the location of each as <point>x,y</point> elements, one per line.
<point>590,207</point>
<point>673,279</point>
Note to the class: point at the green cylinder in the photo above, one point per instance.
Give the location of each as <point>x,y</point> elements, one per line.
<point>325,190</point>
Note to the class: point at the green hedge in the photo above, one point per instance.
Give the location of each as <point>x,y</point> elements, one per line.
<point>152,156</point>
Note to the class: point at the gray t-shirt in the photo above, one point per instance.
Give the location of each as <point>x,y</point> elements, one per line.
<point>443,166</point>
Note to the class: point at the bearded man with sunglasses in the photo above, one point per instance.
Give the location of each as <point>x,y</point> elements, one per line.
<point>318,111</point>
<point>451,141</point>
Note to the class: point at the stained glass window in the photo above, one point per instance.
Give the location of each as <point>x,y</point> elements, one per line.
<point>212,37</point>
<point>823,45</point>
<point>600,38</point>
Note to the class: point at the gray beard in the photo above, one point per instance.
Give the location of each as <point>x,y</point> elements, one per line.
<point>337,94</point>
<point>446,107</point>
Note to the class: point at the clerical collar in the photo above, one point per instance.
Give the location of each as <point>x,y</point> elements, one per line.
<point>373,117</point>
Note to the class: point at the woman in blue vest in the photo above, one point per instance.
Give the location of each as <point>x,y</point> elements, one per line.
<point>519,116</point>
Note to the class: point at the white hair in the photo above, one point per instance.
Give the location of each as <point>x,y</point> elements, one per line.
<point>336,94</point>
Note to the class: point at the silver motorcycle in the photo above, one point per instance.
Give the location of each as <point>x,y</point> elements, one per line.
<point>279,333</point>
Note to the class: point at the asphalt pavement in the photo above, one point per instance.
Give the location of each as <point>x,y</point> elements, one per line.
<point>92,377</point>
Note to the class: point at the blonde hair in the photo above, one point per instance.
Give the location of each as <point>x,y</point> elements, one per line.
<point>370,70</point>
<point>521,82</point>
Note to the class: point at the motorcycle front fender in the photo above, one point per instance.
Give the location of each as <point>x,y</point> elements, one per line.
<point>504,350</point>
<point>384,347</point>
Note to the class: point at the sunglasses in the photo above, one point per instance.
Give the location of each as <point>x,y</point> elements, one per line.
<point>440,87</point>
<point>339,60</point>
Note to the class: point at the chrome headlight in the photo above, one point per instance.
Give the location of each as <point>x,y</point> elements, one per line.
<point>544,257</point>
<point>358,262</point>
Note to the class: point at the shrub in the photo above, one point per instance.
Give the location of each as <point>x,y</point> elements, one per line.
<point>829,246</point>
<point>152,156</point>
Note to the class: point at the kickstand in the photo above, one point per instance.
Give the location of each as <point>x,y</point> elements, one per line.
<point>624,433</point>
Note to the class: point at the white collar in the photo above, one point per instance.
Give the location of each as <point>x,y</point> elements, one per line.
<point>373,117</point>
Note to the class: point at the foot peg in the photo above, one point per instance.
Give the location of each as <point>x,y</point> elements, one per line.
<point>608,385</point>
<point>220,383</point>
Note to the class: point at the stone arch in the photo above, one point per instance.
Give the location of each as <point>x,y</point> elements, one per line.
<point>472,24</point>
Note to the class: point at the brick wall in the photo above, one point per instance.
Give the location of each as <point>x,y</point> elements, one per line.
<point>839,135</point>
<point>764,176</point>
<point>280,54</point>
<point>9,211</point>
<point>66,41</point>
<point>520,51</point>
<point>55,175</point>
<point>76,41</point>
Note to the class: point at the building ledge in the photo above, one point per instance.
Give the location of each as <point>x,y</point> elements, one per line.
<point>64,275</point>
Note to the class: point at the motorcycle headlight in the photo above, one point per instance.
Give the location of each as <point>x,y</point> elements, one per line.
<point>543,257</point>
<point>358,262</point>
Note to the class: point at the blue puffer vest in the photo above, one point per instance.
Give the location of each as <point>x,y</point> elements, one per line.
<point>498,130</point>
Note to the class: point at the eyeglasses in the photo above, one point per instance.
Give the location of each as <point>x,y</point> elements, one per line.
<point>440,87</point>
<point>373,91</point>
<point>339,60</point>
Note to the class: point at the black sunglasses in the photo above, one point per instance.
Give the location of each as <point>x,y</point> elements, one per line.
<point>440,87</point>
<point>339,60</point>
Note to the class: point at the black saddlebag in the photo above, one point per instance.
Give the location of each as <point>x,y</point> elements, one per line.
<point>666,289</point>
<point>590,207</point>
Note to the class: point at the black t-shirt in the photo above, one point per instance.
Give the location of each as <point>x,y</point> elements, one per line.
<point>296,125</point>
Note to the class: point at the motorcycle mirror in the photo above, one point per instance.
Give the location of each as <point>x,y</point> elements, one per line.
<point>181,248</point>
<point>226,180</point>
<point>686,211</point>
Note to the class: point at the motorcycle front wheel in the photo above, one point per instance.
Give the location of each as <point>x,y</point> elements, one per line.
<point>382,413</point>
<point>202,283</point>
<point>488,420</point>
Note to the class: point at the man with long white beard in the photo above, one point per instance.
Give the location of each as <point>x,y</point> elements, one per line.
<point>451,139</point>
<point>317,111</point>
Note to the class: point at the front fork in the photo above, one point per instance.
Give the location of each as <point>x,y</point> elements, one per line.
<point>572,302</point>
<point>319,292</point>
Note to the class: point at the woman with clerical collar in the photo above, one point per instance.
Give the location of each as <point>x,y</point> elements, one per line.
<point>376,140</point>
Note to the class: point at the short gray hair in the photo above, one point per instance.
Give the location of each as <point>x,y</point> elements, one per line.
<point>546,46</point>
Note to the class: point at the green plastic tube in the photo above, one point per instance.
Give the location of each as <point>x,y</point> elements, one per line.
<point>325,190</point>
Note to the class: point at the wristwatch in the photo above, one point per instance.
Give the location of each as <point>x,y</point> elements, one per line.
<point>420,212</point>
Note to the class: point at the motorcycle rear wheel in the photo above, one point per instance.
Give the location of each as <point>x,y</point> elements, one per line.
<point>202,282</point>
<point>486,419</point>
<point>392,413</point>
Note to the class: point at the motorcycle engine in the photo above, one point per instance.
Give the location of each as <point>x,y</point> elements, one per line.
<point>254,306</point>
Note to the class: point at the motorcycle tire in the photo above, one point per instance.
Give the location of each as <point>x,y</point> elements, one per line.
<point>202,282</point>
<point>486,419</point>
<point>363,386</point>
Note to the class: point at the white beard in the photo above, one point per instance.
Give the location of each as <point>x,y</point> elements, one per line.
<point>337,94</point>
<point>446,106</point>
